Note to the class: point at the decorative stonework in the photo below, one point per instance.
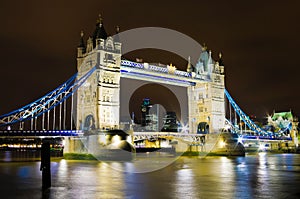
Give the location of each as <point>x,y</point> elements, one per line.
<point>206,99</point>
<point>98,99</point>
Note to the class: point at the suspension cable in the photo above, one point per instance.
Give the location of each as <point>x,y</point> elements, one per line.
<point>54,98</point>
<point>64,120</point>
<point>243,116</point>
<point>54,118</point>
<point>71,118</point>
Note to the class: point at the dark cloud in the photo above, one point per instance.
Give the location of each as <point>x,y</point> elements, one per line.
<point>259,41</point>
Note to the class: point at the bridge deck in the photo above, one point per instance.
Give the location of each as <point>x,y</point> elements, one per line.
<point>41,133</point>
<point>145,135</point>
<point>266,138</point>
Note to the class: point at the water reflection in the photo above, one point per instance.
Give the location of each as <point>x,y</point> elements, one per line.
<point>263,176</point>
<point>256,176</point>
<point>87,179</point>
<point>243,178</point>
<point>184,184</point>
<point>144,163</point>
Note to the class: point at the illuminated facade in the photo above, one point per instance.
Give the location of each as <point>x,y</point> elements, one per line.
<point>206,98</point>
<point>98,100</point>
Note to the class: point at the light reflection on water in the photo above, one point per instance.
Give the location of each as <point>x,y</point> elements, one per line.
<point>256,176</point>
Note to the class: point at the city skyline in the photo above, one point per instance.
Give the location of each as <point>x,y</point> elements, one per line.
<point>258,41</point>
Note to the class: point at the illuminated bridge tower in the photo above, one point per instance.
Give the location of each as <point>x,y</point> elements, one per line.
<point>98,101</point>
<point>206,98</point>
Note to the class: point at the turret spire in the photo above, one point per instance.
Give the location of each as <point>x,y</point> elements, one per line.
<point>99,21</point>
<point>189,66</point>
<point>204,47</point>
<point>220,60</point>
<point>81,43</point>
<point>99,32</point>
<point>81,49</point>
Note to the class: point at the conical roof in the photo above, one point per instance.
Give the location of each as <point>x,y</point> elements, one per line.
<point>221,63</point>
<point>99,32</point>
<point>81,42</point>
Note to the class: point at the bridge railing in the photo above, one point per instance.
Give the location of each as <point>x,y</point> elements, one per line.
<point>259,132</point>
<point>45,103</point>
<point>146,66</point>
<point>40,133</point>
<point>243,116</point>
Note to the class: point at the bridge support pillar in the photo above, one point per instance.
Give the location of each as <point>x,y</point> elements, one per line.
<point>45,165</point>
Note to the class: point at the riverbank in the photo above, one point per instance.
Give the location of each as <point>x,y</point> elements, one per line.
<point>79,156</point>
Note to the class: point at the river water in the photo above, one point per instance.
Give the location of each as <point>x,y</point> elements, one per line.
<point>259,175</point>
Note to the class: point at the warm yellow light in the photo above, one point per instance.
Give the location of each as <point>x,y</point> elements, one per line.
<point>116,139</point>
<point>102,139</point>
<point>222,143</point>
<point>129,139</point>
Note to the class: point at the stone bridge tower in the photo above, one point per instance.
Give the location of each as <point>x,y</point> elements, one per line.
<point>206,98</point>
<point>98,99</point>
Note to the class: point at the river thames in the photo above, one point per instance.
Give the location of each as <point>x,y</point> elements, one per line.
<point>260,175</point>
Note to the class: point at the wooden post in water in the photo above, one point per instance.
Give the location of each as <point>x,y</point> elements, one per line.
<point>45,165</point>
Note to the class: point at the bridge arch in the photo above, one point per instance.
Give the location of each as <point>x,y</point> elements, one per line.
<point>89,123</point>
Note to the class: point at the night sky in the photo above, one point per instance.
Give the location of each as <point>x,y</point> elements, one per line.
<point>259,41</point>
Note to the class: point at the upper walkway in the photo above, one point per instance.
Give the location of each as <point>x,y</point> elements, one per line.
<point>160,74</point>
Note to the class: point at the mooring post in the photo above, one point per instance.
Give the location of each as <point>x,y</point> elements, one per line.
<point>45,165</point>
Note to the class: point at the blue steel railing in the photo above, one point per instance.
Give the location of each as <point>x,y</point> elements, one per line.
<point>243,116</point>
<point>45,103</point>
<point>154,68</point>
<point>251,124</point>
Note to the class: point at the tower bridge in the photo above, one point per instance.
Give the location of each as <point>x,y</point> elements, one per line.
<point>97,97</point>
<point>103,102</point>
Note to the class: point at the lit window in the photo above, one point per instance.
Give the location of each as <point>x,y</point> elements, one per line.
<point>200,95</point>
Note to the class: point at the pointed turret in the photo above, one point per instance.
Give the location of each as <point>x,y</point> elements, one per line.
<point>81,47</point>
<point>204,47</point>
<point>220,60</point>
<point>189,68</point>
<point>204,58</point>
<point>210,60</point>
<point>99,32</point>
<point>221,64</point>
<point>81,43</point>
<point>89,46</point>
